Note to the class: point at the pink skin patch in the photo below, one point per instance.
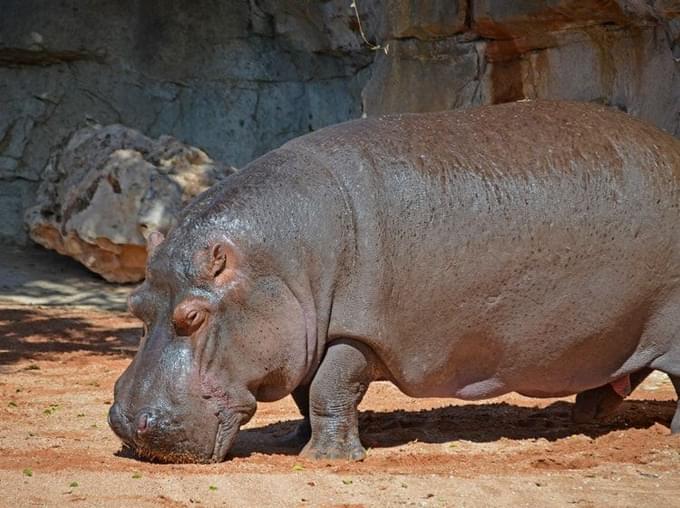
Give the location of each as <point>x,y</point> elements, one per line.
<point>212,390</point>
<point>621,386</point>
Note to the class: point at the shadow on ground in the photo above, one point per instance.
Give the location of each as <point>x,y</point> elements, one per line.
<point>480,423</point>
<point>28,333</point>
<point>35,276</point>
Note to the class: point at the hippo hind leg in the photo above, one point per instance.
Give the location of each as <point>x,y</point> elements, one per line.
<point>675,423</point>
<point>603,401</point>
<point>674,376</point>
<point>336,391</point>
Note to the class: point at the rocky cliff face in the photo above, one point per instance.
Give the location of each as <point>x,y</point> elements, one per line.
<point>233,77</point>
<point>624,53</point>
<point>239,77</point>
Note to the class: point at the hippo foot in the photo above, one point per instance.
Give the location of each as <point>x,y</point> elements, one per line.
<point>675,424</point>
<point>595,404</point>
<point>352,451</point>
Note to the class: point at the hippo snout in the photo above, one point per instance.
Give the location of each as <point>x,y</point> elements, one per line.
<point>147,425</point>
<point>151,433</point>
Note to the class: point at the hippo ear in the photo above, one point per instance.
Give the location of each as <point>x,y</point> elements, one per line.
<point>219,254</point>
<point>217,261</point>
<point>154,239</point>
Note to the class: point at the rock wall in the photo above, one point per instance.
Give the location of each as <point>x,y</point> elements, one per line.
<point>239,77</point>
<point>625,53</point>
<point>234,77</point>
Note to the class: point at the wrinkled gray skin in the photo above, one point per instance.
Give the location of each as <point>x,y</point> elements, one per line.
<point>529,247</point>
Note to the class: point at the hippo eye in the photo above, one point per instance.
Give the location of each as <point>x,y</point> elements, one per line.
<point>187,320</point>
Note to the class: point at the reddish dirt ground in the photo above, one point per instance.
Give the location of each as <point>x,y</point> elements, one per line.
<point>58,366</point>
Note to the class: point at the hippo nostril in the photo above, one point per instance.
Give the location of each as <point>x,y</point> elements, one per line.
<point>145,421</point>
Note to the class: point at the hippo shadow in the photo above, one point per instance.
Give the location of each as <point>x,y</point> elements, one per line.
<point>480,423</point>
<point>31,334</point>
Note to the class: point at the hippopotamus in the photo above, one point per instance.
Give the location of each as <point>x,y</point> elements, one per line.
<point>530,247</point>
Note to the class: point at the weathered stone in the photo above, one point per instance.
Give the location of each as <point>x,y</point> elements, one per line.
<point>616,52</point>
<point>430,20</point>
<point>14,194</point>
<point>108,189</point>
<point>418,76</point>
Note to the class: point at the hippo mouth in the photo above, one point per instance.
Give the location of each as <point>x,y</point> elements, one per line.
<point>162,457</point>
<point>229,416</point>
<point>174,446</point>
<point>226,434</point>
<point>182,452</point>
<point>229,423</point>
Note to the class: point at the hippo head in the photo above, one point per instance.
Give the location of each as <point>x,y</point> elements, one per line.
<point>220,332</point>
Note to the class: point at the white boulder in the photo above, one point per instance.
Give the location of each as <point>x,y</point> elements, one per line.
<point>108,188</point>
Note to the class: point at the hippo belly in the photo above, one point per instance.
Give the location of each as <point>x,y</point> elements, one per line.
<point>550,316</point>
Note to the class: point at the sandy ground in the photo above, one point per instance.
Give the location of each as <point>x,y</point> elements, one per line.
<point>58,366</point>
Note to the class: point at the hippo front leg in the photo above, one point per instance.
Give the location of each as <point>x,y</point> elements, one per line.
<point>335,393</point>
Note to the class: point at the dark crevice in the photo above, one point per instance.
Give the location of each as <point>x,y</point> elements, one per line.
<point>469,14</point>
<point>18,57</point>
